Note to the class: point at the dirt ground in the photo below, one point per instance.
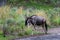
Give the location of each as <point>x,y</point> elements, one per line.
<point>55,30</point>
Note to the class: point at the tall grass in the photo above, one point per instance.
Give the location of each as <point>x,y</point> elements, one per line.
<point>12,19</point>
<point>54,15</point>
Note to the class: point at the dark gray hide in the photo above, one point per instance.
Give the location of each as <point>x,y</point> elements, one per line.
<point>36,21</point>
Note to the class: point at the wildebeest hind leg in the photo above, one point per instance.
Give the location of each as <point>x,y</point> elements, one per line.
<point>44,28</point>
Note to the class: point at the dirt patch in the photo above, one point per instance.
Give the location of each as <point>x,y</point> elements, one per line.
<point>54,30</point>
<point>51,31</point>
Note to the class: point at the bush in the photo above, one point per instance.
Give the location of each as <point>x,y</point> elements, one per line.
<point>14,18</point>
<point>10,21</point>
<point>26,31</point>
<point>53,14</point>
<point>56,21</point>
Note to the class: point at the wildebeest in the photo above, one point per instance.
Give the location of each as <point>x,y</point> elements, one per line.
<point>36,21</point>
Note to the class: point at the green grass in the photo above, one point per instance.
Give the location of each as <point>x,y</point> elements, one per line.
<point>15,21</point>
<point>3,38</point>
<point>38,6</point>
<point>7,37</point>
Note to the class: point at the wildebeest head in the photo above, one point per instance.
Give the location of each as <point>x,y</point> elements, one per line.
<point>27,21</point>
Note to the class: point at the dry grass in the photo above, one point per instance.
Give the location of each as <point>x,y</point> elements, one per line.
<point>4,11</point>
<point>20,10</point>
<point>7,12</point>
<point>43,14</point>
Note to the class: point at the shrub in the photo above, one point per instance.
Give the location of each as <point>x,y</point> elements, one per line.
<point>10,21</point>
<point>53,14</point>
<point>28,31</point>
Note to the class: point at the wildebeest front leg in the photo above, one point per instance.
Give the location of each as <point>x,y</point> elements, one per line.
<point>28,25</point>
<point>34,26</point>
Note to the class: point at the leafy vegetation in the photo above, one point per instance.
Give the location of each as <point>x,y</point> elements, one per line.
<point>12,16</point>
<point>34,2</point>
<point>54,16</point>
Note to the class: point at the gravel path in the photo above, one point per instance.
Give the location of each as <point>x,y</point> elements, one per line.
<point>46,37</point>
<point>54,30</point>
<point>54,35</point>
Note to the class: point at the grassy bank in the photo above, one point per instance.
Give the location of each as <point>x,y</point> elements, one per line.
<point>13,18</point>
